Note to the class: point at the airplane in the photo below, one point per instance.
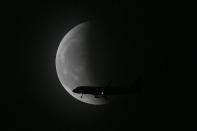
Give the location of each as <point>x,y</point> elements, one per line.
<point>104,91</point>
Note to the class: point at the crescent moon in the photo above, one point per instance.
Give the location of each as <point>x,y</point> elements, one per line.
<point>72,63</point>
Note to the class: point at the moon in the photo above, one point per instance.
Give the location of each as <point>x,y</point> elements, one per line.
<point>72,65</point>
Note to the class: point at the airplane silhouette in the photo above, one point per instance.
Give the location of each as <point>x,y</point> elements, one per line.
<point>104,91</point>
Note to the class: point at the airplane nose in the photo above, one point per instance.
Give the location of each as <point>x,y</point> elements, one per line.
<point>75,90</point>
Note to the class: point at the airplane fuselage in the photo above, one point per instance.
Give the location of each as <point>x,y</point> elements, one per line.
<point>89,90</point>
<point>103,91</point>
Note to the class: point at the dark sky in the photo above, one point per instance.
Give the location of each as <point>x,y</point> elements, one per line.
<point>144,41</point>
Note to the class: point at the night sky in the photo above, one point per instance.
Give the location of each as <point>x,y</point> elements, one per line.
<point>140,41</point>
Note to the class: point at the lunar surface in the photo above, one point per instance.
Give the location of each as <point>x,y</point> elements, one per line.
<point>72,66</point>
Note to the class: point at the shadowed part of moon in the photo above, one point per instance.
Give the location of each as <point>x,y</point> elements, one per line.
<point>72,63</point>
